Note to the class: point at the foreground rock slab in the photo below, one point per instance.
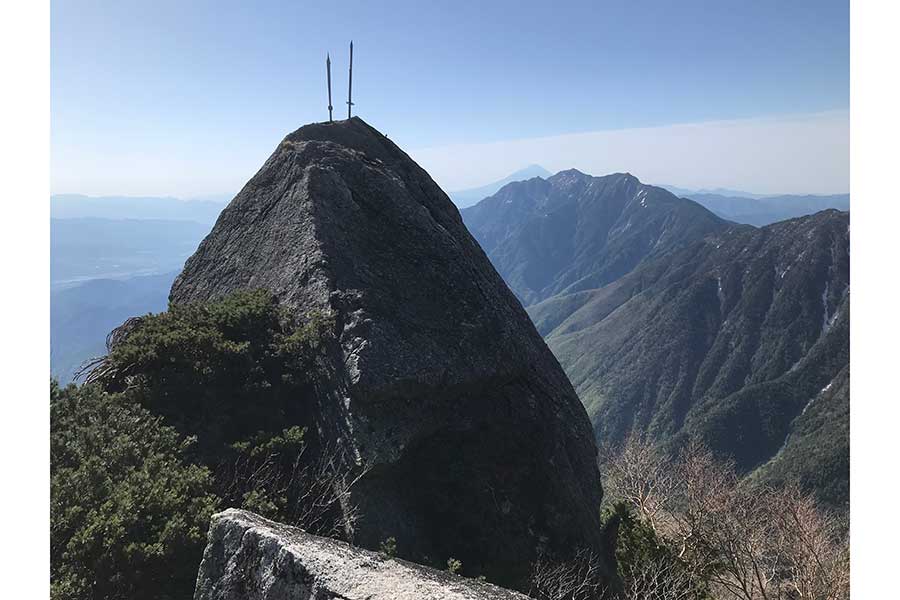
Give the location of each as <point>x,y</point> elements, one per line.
<point>252,558</point>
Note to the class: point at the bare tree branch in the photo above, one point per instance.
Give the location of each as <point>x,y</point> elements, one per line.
<point>747,542</point>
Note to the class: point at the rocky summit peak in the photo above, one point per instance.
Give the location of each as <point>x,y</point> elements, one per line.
<point>478,446</point>
<point>352,133</point>
<point>577,232</point>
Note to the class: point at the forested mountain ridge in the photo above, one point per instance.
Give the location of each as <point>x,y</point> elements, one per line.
<point>573,232</point>
<point>674,323</point>
<point>731,338</point>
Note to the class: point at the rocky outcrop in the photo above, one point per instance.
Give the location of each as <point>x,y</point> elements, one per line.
<point>476,444</point>
<point>251,558</point>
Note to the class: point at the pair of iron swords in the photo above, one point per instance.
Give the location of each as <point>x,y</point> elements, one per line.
<point>349,88</point>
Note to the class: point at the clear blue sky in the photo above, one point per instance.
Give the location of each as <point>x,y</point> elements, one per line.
<point>142,89</point>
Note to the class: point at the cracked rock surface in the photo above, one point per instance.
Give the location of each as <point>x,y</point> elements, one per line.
<point>251,558</point>
<point>476,444</point>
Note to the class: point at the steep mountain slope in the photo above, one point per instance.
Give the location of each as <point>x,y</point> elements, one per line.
<point>477,446</point>
<point>573,232</point>
<point>731,338</point>
<point>816,453</point>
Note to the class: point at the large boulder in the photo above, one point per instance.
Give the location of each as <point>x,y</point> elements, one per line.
<point>475,443</point>
<point>251,558</point>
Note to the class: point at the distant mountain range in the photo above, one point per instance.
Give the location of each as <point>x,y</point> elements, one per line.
<point>204,210</point>
<point>770,209</point>
<point>719,191</point>
<point>81,316</point>
<point>755,209</point>
<point>671,321</point>
<point>464,198</point>
<point>733,205</point>
<point>90,248</point>
<point>103,271</point>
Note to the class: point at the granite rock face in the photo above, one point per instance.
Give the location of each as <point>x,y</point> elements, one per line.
<point>476,444</point>
<point>251,558</point>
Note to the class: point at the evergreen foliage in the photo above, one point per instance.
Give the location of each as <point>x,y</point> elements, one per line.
<point>641,551</point>
<point>128,511</point>
<point>195,409</point>
<point>223,371</point>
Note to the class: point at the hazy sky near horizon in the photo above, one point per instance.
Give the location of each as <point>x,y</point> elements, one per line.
<point>189,98</point>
